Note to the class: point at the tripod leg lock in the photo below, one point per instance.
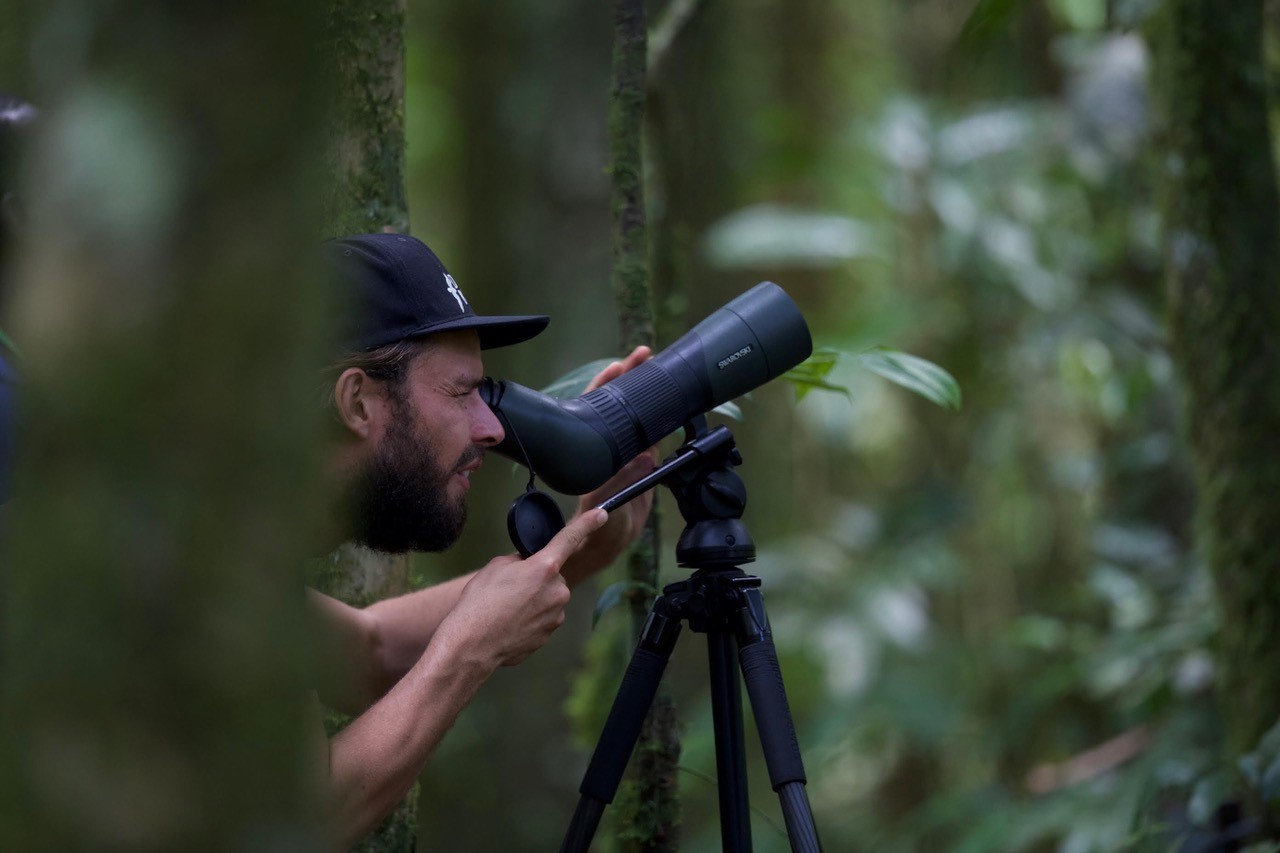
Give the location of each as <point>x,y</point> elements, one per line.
<point>753,622</point>
<point>631,705</point>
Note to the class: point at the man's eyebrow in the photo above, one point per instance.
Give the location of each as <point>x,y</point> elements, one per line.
<point>467,381</point>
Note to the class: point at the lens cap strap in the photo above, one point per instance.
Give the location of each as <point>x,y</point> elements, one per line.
<point>533,518</point>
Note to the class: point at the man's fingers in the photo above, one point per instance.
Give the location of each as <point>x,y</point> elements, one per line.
<point>637,357</point>
<point>610,373</point>
<point>571,537</point>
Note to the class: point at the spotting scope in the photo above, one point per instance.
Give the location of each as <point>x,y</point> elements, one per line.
<point>576,445</point>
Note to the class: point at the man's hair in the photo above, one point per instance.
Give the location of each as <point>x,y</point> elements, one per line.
<point>389,364</point>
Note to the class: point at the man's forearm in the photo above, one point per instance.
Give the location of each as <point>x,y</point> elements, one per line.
<point>374,761</point>
<point>405,625</point>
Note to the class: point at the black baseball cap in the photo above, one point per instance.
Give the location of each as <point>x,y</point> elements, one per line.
<point>400,290</point>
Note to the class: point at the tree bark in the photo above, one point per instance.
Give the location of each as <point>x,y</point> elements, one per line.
<point>167,308</point>
<point>365,46</point>
<point>365,50</point>
<point>1224,289</point>
<point>648,805</point>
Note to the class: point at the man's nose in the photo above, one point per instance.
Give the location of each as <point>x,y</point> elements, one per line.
<point>486,429</point>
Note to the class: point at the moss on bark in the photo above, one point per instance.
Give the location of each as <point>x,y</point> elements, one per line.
<point>626,134</point>
<point>364,55</point>
<point>1224,289</point>
<point>365,52</point>
<point>648,807</point>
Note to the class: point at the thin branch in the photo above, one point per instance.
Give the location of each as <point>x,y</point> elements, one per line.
<point>1106,756</point>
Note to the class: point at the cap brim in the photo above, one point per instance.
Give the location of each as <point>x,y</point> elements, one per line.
<point>493,331</point>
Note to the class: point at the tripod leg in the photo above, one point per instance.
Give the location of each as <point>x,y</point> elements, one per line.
<point>768,697</point>
<point>622,728</point>
<point>731,761</point>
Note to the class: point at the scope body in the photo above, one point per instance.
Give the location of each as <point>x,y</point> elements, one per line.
<point>576,445</point>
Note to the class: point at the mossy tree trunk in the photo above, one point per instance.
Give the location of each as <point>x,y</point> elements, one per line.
<point>365,46</point>
<point>167,486</point>
<point>365,50</point>
<point>1224,289</point>
<point>648,805</point>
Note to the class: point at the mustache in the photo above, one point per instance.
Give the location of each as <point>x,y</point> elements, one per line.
<point>474,453</point>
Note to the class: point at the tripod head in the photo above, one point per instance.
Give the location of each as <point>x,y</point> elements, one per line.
<point>710,494</point>
<point>711,497</point>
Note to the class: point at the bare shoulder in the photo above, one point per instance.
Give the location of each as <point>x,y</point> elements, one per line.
<point>329,609</point>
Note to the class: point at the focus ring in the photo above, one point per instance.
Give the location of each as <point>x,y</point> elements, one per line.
<point>655,399</point>
<point>616,421</point>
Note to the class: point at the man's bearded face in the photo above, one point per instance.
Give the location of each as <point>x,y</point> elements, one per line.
<point>402,499</point>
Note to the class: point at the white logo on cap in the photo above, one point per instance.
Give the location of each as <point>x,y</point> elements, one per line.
<point>456,293</point>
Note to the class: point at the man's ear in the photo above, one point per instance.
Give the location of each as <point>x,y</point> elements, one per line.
<point>358,401</point>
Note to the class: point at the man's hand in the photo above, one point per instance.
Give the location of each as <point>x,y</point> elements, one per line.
<point>625,522</point>
<point>504,613</point>
<point>510,608</point>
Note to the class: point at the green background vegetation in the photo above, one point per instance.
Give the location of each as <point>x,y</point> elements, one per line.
<point>998,625</point>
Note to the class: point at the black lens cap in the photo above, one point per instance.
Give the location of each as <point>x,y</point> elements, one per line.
<point>533,519</point>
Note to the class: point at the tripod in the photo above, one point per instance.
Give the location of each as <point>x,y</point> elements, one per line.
<point>725,603</point>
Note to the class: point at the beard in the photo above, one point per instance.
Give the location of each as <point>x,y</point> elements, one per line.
<point>401,500</point>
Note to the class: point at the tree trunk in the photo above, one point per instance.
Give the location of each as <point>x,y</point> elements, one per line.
<point>168,480</point>
<point>1224,290</point>
<point>648,806</point>
<point>365,41</point>
<point>365,48</point>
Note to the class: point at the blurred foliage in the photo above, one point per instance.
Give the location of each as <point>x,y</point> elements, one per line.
<point>994,626</point>
<point>995,632</point>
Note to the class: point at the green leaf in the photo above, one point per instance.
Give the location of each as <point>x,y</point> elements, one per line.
<point>614,594</point>
<point>729,410</point>
<point>772,236</point>
<point>915,374</point>
<point>573,383</point>
<point>7,343</point>
<point>986,21</point>
<point>1206,796</point>
<point>812,373</point>
<point>1262,766</point>
<point>1082,14</point>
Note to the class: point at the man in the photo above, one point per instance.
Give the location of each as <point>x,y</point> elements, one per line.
<point>412,430</point>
